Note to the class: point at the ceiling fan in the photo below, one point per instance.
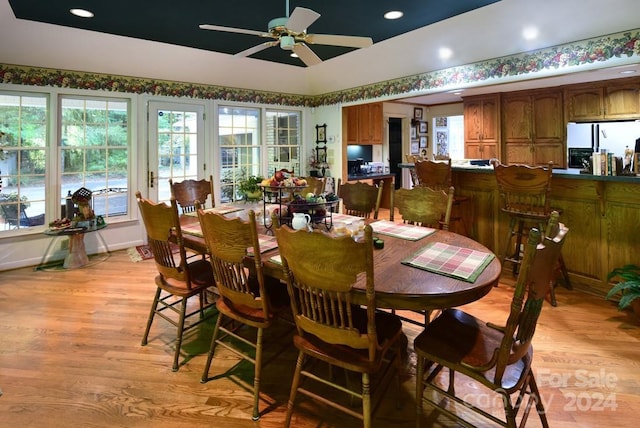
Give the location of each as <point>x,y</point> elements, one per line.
<point>290,33</point>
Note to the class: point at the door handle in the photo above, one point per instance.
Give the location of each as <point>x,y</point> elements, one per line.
<point>150,184</point>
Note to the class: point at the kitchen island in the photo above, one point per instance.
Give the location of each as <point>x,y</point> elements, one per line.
<point>388,181</point>
<point>601,212</point>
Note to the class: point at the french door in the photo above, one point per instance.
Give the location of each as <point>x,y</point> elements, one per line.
<point>176,146</point>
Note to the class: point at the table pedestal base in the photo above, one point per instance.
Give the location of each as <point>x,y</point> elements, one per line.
<point>77,256</point>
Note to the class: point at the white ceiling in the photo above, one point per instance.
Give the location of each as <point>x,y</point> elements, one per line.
<point>489,32</point>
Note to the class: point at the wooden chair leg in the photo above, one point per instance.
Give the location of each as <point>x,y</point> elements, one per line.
<point>212,349</point>
<point>151,315</point>
<point>294,389</point>
<point>176,356</point>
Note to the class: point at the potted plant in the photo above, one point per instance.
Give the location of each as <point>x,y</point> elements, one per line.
<point>250,187</point>
<point>629,286</point>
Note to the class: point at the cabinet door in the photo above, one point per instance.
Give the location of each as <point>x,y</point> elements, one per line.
<point>585,104</point>
<point>490,119</point>
<point>473,121</point>
<point>489,150</point>
<point>623,102</point>
<point>352,124</point>
<point>544,153</point>
<point>518,153</point>
<point>375,119</point>
<point>547,116</point>
<point>472,151</point>
<point>516,119</point>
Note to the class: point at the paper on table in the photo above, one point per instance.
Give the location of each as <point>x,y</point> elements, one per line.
<point>276,259</point>
<point>449,260</point>
<point>399,230</point>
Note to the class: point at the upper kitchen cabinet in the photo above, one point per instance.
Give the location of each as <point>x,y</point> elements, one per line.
<point>364,124</point>
<point>609,100</point>
<point>482,126</point>
<point>533,128</point>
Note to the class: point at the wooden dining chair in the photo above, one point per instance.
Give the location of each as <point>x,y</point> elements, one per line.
<point>247,296</point>
<point>315,185</point>
<point>360,199</point>
<point>321,271</point>
<point>188,192</point>
<point>177,280</point>
<point>498,357</point>
<point>423,206</point>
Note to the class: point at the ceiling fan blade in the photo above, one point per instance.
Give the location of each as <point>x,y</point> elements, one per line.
<point>256,49</point>
<point>336,40</point>
<point>305,53</point>
<point>232,30</point>
<point>301,18</point>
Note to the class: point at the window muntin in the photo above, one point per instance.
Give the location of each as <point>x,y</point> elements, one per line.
<point>94,151</point>
<point>240,150</point>
<point>23,144</point>
<point>283,141</point>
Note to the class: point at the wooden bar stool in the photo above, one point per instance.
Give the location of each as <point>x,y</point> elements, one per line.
<point>437,176</point>
<point>524,193</point>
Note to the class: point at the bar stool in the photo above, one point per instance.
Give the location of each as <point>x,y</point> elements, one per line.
<point>437,176</point>
<point>524,193</point>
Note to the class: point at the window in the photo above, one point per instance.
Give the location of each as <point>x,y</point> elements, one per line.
<point>23,144</point>
<point>94,145</point>
<point>241,147</point>
<point>239,139</point>
<point>283,141</point>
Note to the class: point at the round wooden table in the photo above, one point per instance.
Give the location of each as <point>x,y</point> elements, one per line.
<point>399,286</point>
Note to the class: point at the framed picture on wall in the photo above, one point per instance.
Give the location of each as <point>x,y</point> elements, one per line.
<point>321,133</point>
<point>417,113</point>
<point>423,141</point>
<point>441,121</point>
<point>423,129</point>
<point>414,133</point>
<point>415,148</point>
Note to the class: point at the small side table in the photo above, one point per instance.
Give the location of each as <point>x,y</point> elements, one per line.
<point>77,254</point>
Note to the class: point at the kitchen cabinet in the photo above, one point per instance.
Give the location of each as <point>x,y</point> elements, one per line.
<point>608,100</point>
<point>533,128</point>
<point>364,124</point>
<point>482,126</point>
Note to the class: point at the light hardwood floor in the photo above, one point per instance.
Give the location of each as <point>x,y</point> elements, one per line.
<point>70,356</point>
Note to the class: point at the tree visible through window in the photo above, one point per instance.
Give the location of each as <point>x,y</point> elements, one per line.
<point>23,143</point>
<point>94,143</point>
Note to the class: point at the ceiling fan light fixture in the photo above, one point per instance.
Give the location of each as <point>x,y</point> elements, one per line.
<point>82,13</point>
<point>287,42</point>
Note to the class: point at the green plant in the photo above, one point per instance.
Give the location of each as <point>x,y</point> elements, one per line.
<point>251,184</point>
<point>629,285</point>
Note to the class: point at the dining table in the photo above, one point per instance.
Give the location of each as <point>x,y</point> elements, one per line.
<point>404,277</point>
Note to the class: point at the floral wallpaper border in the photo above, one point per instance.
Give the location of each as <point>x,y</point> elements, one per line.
<point>599,49</point>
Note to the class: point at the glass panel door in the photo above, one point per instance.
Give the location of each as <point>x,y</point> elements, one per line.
<point>176,146</point>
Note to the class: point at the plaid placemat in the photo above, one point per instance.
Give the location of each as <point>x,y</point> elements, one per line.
<point>225,209</point>
<point>399,230</point>
<point>266,243</point>
<point>449,260</point>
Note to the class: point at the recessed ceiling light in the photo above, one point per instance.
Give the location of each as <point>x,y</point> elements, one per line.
<point>82,13</point>
<point>530,33</point>
<point>445,53</point>
<point>393,14</point>
<point>627,72</point>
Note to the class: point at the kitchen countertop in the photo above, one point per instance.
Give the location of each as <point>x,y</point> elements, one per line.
<point>564,173</point>
<point>373,175</point>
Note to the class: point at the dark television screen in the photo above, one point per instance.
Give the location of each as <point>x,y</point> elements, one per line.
<point>355,152</point>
